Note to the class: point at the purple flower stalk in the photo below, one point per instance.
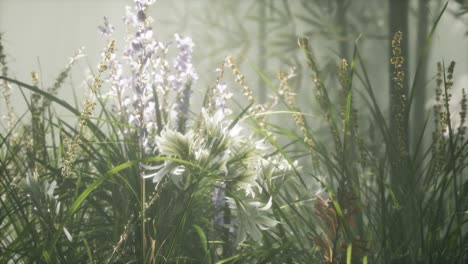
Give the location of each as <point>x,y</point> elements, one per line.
<point>144,71</point>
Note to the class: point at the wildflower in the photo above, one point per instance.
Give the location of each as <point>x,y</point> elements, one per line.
<point>240,79</point>
<point>88,107</point>
<point>107,29</point>
<point>5,86</point>
<point>154,99</point>
<point>448,94</point>
<point>220,96</point>
<point>181,81</point>
<point>141,98</point>
<point>399,99</point>
<point>183,63</point>
<point>252,217</point>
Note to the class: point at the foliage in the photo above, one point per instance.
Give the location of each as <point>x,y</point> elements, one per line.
<point>143,176</point>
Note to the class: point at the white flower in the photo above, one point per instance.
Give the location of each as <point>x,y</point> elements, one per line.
<point>252,217</point>
<point>175,144</point>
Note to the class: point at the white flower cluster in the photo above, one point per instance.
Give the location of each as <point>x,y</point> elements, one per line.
<point>218,149</point>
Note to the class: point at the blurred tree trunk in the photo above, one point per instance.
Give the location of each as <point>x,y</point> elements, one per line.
<point>420,92</point>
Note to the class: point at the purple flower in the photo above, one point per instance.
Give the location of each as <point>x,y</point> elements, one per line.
<point>182,79</point>
<point>107,29</point>
<point>221,95</point>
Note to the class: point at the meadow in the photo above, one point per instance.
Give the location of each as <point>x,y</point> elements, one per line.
<point>142,174</point>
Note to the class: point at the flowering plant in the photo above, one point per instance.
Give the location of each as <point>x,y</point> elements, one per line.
<point>204,154</point>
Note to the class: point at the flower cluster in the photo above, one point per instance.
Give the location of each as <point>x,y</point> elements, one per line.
<point>217,149</point>
<point>152,97</point>
<point>142,81</point>
<point>219,94</point>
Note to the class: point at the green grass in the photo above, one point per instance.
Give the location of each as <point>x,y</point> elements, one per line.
<point>74,191</point>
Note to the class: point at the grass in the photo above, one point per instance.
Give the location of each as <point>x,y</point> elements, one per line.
<point>155,181</point>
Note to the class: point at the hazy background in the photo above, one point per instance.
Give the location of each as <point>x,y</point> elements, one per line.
<point>40,35</point>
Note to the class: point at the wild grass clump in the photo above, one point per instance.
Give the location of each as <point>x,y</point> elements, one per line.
<point>390,206</point>
<point>142,176</point>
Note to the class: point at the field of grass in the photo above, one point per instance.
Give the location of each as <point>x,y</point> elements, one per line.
<point>141,176</point>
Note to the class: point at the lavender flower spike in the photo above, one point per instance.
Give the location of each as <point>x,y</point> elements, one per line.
<point>182,80</point>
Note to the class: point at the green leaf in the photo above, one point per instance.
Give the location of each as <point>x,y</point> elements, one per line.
<point>349,252</point>
<point>204,242</point>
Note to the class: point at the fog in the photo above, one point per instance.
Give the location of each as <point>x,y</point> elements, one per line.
<point>41,36</point>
